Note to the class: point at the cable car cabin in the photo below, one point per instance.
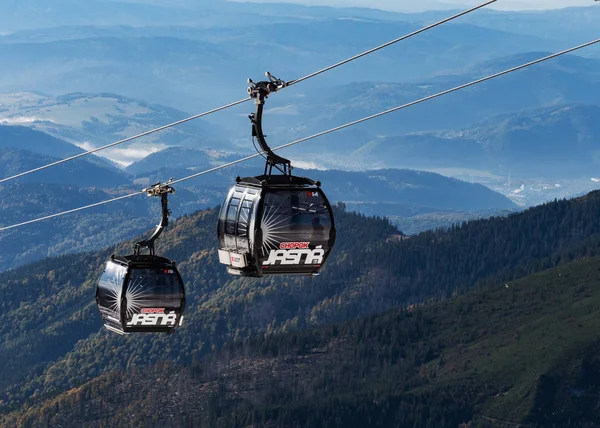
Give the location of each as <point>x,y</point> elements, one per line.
<point>273,225</point>
<point>141,294</point>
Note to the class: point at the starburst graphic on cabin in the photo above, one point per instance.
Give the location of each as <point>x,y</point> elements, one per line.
<point>136,295</point>
<point>274,227</point>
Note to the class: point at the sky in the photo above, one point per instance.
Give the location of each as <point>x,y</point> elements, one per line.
<point>530,4</point>
<point>420,5</point>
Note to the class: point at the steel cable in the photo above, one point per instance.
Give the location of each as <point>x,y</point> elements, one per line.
<point>329,131</point>
<point>235,103</point>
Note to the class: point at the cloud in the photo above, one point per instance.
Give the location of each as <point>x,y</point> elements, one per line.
<point>129,155</point>
<point>124,156</point>
<point>86,145</point>
<point>22,120</point>
<point>308,165</point>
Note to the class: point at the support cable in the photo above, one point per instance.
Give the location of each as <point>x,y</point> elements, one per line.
<point>329,131</point>
<point>235,103</point>
<point>126,140</point>
<point>370,51</point>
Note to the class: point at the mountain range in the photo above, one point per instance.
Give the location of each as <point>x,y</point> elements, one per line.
<point>441,304</point>
<point>90,180</point>
<point>173,62</point>
<point>165,60</point>
<point>566,80</point>
<point>94,120</point>
<point>557,142</point>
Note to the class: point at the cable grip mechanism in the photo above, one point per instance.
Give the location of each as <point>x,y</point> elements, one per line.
<point>161,190</point>
<point>260,91</point>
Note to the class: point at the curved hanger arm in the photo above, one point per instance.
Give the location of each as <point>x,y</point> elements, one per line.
<point>162,190</point>
<point>260,92</point>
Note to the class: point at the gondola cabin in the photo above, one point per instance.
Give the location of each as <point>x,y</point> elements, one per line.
<point>141,294</point>
<point>275,225</point>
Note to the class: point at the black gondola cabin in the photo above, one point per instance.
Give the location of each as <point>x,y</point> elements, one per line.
<point>141,294</point>
<point>281,226</point>
<point>274,224</point>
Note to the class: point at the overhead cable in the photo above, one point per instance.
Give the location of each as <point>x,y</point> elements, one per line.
<point>126,140</point>
<point>48,217</point>
<point>320,134</point>
<point>439,94</point>
<point>209,112</point>
<point>385,45</point>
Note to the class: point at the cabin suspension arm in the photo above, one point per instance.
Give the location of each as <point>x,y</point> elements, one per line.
<point>161,190</point>
<point>260,91</point>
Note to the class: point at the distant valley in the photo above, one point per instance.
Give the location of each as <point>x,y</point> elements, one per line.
<point>201,55</point>
<point>93,120</point>
<point>89,180</point>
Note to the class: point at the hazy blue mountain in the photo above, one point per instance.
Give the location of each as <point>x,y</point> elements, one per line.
<point>81,172</point>
<point>571,24</point>
<point>180,158</point>
<point>88,230</point>
<point>43,149</point>
<point>93,120</point>
<point>177,65</point>
<point>558,142</point>
<point>30,14</point>
<point>35,14</point>
<point>35,141</point>
<point>381,192</point>
<point>412,190</point>
<point>569,79</point>
<point>425,150</point>
<point>575,24</point>
<point>196,67</point>
<point>386,192</point>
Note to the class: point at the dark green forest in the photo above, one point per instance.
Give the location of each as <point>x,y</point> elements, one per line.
<point>249,354</point>
<point>522,353</point>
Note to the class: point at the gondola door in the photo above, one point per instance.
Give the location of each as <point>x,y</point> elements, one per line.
<point>154,299</point>
<point>145,295</point>
<point>236,230</point>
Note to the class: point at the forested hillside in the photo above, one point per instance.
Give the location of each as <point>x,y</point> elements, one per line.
<point>370,271</point>
<point>525,352</point>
